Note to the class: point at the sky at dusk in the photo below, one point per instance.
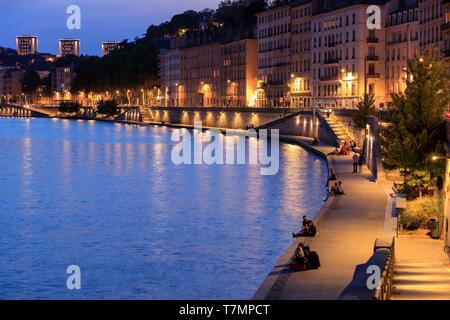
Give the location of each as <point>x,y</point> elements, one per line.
<point>101,20</point>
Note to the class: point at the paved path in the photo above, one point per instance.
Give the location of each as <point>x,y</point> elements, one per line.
<point>348,226</point>
<point>422,270</point>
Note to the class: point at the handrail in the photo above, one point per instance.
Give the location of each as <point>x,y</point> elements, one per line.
<point>384,292</point>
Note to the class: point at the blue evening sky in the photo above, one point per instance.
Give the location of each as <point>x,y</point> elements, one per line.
<point>101,20</point>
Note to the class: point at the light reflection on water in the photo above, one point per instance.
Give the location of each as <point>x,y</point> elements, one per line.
<point>108,198</point>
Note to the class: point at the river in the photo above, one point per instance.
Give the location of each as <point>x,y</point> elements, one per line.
<point>108,198</point>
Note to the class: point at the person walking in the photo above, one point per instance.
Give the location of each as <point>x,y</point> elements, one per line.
<point>355,162</point>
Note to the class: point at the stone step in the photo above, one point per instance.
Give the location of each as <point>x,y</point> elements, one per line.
<point>416,280</point>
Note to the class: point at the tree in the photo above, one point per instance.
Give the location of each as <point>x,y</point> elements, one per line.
<point>31,82</point>
<point>107,107</point>
<point>69,107</point>
<point>365,109</point>
<point>47,86</point>
<point>239,12</point>
<point>417,127</point>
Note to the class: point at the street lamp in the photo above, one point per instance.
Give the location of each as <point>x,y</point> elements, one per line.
<point>129,97</point>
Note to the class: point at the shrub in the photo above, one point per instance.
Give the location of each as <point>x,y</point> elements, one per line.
<point>69,107</point>
<point>418,212</point>
<point>108,108</point>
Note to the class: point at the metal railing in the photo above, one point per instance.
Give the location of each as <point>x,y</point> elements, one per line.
<point>384,292</point>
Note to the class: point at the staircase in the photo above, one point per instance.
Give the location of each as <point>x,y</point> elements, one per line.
<point>146,115</point>
<point>337,128</point>
<point>419,280</point>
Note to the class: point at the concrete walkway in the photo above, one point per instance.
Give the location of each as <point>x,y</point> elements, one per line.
<point>422,270</point>
<point>348,226</point>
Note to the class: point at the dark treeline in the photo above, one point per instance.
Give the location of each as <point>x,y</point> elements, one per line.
<point>135,64</point>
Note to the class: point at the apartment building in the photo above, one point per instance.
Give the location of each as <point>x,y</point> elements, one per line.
<point>274,54</point>
<point>62,78</point>
<point>300,91</point>
<point>209,74</point>
<point>446,29</point>
<point>238,74</point>
<point>311,53</point>
<point>26,45</point>
<point>200,75</point>
<point>10,82</point>
<point>69,47</point>
<point>109,46</point>
<point>431,21</point>
<point>348,59</point>
<point>170,73</point>
<point>402,44</point>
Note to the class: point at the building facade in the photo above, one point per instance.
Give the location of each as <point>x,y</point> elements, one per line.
<point>312,53</point>
<point>69,47</point>
<point>200,75</point>
<point>348,59</point>
<point>402,44</point>
<point>109,46</point>
<point>238,74</point>
<point>173,93</point>
<point>431,20</point>
<point>274,54</point>
<point>446,30</point>
<point>300,86</point>
<point>26,45</point>
<point>10,83</point>
<point>62,78</point>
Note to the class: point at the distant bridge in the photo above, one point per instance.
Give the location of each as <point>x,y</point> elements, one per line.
<point>13,110</point>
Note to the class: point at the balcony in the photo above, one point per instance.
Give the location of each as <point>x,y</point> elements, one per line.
<point>373,75</point>
<point>330,78</point>
<point>281,64</point>
<point>372,40</point>
<point>331,61</point>
<point>372,58</point>
<point>273,83</point>
<point>445,26</point>
<point>331,44</point>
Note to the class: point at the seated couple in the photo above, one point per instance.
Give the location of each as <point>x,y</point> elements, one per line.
<point>309,229</point>
<point>336,190</point>
<point>304,259</point>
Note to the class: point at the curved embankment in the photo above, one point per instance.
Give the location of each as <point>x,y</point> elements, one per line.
<point>347,228</point>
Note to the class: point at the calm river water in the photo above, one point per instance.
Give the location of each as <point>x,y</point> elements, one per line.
<point>108,198</point>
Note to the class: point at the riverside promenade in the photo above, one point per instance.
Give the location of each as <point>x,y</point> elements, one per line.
<point>347,228</point>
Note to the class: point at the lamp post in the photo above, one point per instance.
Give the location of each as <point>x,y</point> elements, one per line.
<point>143,97</point>
<point>314,106</point>
<point>129,97</point>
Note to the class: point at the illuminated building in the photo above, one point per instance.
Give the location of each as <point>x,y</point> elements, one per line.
<point>169,70</point>
<point>300,92</point>
<point>237,85</point>
<point>348,59</point>
<point>402,44</point>
<point>446,29</point>
<point>69,47</point>
<point>109,46</point>
<point>200,75</point>
<point>274,53</point>
<point>431,21</point>
<point>62,78</point>
<point>26,45</point>
<point>10,81</point>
